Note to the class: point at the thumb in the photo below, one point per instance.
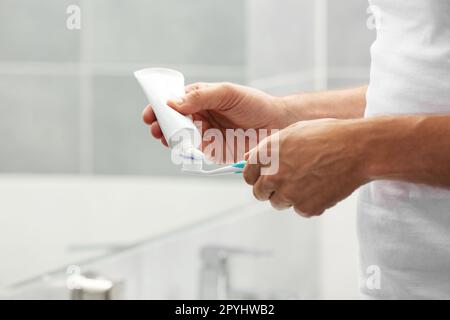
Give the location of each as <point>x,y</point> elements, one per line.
<point>252,169</point>
<point>209,97</point>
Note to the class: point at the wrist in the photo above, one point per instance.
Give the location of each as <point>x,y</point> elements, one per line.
<point>389,146</point>
<point>282,113</point>
<point>290,109</point>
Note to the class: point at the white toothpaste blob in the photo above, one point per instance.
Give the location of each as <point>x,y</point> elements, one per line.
<point>192,158</point>
<point>161,85</point>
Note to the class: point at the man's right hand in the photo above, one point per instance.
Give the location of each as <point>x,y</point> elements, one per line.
<point>225,106</point>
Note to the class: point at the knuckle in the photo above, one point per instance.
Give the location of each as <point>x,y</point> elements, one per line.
<point>227,89</point>
<point>257,192</point>
<point>196,94</point>
<point>300,212</point>
<point>284,194</point>
<point>274,204</point>
<point>197,85</point>
<point>277,205</point>
<point>306,210</point>
<point>274,180</point>
<point>227,86</point>
<point>310,209</point>
<point>288,196</point>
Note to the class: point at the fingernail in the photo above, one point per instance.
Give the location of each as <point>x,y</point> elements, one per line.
<point>178,101</point>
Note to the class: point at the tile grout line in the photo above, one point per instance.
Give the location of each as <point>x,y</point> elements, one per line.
<point>112,68</point>
<point>320,44</point>
<point>247,48</point>
<point>308,76</point>
<point>86,96</point>
<point>320,83</point>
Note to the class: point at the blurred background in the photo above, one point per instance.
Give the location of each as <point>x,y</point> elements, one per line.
<point>91,205</point>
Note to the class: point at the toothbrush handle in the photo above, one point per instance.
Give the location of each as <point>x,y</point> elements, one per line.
<point>239,165</point>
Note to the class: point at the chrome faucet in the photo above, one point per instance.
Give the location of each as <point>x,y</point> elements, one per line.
<point>91,286</point>
<point>215,274</point>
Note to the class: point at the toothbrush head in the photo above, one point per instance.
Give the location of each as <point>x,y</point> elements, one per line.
<point>192,159</point>
<point>234,168</point>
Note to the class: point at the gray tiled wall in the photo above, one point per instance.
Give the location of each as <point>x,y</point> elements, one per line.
<point>349,39</point>
<point>201,32</point>
<point>36,31</point>
<point>210,40</point>
<point>122,143</point>
<point>39,123</point>
<point>280,36</point>
<point>42,101</point>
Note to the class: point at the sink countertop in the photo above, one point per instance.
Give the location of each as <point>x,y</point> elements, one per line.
<point>42,216</point>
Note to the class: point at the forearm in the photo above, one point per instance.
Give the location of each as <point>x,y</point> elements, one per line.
<point>338,104</point>
<point>408,148</point>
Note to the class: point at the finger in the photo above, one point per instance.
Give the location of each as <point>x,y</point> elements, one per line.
<point>201,98</point>
<point>298,210</point>
<point>252,170</point>
<point>263,155</point>
<point>156,130</point>
<point>251,173</point>
<point>278,201</point>
<point>164,141</point>
<point>148,115</point>
<point>263,189</point>
<point>194,86</point>
<point>308,209</point>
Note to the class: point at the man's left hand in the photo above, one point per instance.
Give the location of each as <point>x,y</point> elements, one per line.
<point>321,162</point>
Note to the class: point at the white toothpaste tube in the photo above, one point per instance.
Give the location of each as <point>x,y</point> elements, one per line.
<point>160,85</point>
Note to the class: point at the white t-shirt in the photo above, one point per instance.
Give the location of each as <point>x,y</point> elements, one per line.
<point>404,228</point>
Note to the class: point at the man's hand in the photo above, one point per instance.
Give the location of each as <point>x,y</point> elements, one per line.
<point>225,106</point>
<point>321,162</point>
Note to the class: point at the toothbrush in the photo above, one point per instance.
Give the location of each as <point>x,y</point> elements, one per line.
<point>234,168</point>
